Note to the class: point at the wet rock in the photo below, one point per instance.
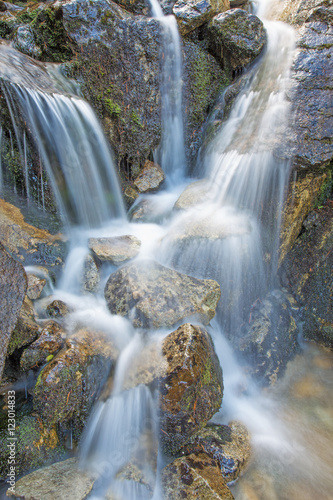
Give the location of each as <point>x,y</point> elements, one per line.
<point>26,329</point>
<point>187,373</point>
<point>57,309</point>
<point>142,211</point>
<point>91,277</point>
<point>67,387</point>
<point>130,194</point>
<point>60,480</point>
<point>307,274</point>
<point>191,14</point>
<point>35,446</point>
<point>13,285</point>
<point>228,445</point>
<point>153,296</point>
<point>30,245</point>
<point>3,6</point>
<point>35,286</point>
<point>269,340</point>
<point>194,476</point>
<point>194,194</point>
<point>115,250</point>
<point>50,341</point>
<point>150,178</point>
<point>237,36</point>
<point>24,41</point>
<point>305,193</point>
<point>138,7</point>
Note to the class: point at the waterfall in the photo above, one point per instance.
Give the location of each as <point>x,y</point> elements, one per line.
<point>171,152</point>
<point>70,140</point>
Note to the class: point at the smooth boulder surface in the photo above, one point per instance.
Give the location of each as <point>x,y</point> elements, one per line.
<point>154,296</point>
<point>191,14</point>
<point>241,35</point>
<point>67,387</point>
<point>116,250</point>
<point>13,286</point>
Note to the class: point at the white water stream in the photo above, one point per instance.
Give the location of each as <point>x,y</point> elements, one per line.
<point>245,180</point>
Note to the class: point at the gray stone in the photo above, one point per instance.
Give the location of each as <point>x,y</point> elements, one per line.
<point>150,178</point>
<point>153,296</point>
<point>24,41</point>
<point>116,250</point>
<point>91,277</point>
<point>35,286</point>
<point>191,14</point>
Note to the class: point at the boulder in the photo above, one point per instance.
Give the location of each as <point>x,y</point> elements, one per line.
<point>150,178</point>
<point>35,286</point>
<point>116,250</point>
<point>187,373</point>
<point>30,245</point>
<point>269,339</point>
<point>25,42</point>
<point>191,14</point>
<point>307,274</point>
<point>26,329</point>
<point>60,480</point>
<point>237,36</point>
<point>194,476</point>
<point>50,341</point>
<point>228,444</point>
<point>35,447</point>
<point>153,296</point>
<point>194,194</point>
<point>13,285</point>
<point>91,277</point>
<point>67,387</point>
<point>139,7</point>
<point>57,309</point>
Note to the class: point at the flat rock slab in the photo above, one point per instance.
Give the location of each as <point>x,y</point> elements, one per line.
<point>154,296</point>
<point>115,250</point>
<point>13,286</point>
<point>63,480</point>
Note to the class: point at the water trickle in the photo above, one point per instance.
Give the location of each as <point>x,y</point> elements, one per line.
<point>1,174</point>
<point>171,152</point>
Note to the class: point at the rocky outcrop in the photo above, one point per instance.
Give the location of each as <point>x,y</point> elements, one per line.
<point>307,273</point>
<point>237,37</point>
<point>229,445</point>
<point>13,285</point>
<point>153,296</point>
<point>191,14</point>
<point>60,480</point>
<point>186,371</point>
<point>50,341</point>
<point>150,178</point>
<point>26,329</point>
<point>194,476</point>
<point>67,387</point>
<point>269,339</point>
<point>116,250</point>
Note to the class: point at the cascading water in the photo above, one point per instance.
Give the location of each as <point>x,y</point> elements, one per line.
<point>171,152</point>
<point>74,151</point>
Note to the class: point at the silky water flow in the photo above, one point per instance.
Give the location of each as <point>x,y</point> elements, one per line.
<point>230,235</point>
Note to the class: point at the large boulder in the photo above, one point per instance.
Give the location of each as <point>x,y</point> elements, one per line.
<point>154,296</point>
<point>187,373</point>
<point>237,37</point>
<point>67,387</point>
<point>13,286</point>
<point>307,273</point>
<point>194,476</point>
<point>191,14</point>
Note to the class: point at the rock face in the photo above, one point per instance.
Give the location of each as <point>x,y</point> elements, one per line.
<point>150,178</point>
<point>194,476</point>
<point>191,14</point>
<point>307,273</point>
<point>229,445</point>
<point>26,329</point>
<point>269,340</point>
<point>240,35</point>
<point>60,480</point>
<point>153,296</point>
<point>68,385</point>
<point>115,250</point>
<point>13,286</point>
<point>50,341</point>
<point>311,96</point>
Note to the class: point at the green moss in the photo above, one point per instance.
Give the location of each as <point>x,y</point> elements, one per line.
<point>113,108</point>
<point>326,189</point>
<point>135,119</point>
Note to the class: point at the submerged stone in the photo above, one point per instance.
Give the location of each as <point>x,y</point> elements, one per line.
<point>238,36</point>
<point>13,285</point>
<point>194,477</point>
<point>153,296</point>
<point>116,250</point>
